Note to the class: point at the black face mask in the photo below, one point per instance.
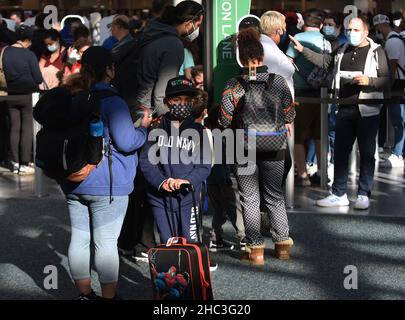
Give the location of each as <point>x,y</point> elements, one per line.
<point>181,111</point>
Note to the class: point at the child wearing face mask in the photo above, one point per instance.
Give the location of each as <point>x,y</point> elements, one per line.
<point>54,59</point>
<point>178,153</point>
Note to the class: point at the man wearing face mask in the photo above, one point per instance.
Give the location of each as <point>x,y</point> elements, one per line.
<point>165,172</point>
<point>361,72</point>
<point>163,53</point>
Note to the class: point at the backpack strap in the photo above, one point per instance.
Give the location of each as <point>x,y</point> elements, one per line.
<point>270,80</point>
<point>397,36</point>
<point>245,85</point>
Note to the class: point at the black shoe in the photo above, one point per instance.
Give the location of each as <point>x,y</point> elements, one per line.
<point>87,297</point>
<point>316,179</point>
<point>139,254</point>
<point>221,245</point>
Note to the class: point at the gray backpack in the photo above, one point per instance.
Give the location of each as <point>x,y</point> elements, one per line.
<point>260,114</point>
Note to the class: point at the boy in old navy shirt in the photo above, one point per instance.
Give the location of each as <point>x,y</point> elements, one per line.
<point>178,153</point>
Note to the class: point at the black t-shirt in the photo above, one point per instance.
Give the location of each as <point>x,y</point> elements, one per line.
<point>354,59</point>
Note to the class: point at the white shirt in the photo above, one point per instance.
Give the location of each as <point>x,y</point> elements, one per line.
<point>277,62</point>
<point>395,50</point>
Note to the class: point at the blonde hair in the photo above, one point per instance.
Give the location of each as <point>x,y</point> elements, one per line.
<point>271,22</point>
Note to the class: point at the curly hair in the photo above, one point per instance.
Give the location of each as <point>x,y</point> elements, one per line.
<point>250,47</point>
<point>200,103</point>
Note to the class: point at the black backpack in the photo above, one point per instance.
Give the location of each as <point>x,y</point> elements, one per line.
<point>126,58</point>
<point>260,114</point>
<point>126,61</point>
<point>64,147</point>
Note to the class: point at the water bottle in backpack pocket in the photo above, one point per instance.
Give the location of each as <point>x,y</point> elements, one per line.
<point>260,114</point>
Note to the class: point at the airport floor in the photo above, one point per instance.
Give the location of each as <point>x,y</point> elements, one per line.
<point>34,233</point>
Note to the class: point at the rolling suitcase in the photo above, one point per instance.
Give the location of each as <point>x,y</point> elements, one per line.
<point>181,270</point>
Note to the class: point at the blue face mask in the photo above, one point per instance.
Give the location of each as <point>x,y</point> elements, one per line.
<point>329,31</point>
<point>355,38</point>
<point>53,47</point>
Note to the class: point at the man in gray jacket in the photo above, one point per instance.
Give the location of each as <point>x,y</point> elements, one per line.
<point>163,52</point>
<point>361,72</point>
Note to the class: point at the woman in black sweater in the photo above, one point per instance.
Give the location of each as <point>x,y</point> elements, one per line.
<point>23,77</point>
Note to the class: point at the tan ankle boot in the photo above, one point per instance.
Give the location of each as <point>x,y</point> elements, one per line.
<point>283,249</point>
<point>254,255</point>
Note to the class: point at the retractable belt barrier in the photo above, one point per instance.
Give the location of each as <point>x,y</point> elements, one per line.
<point>324,100</point>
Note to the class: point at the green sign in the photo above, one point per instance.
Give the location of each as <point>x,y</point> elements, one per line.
<point>227,14</point>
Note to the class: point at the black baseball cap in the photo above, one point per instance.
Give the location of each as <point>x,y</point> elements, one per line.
<point>97,58</point>
<point>180,86</point>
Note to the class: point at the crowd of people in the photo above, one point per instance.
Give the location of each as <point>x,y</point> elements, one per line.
<point>154,81</point>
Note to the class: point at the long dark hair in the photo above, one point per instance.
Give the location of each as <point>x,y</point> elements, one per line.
<point>184,11</point>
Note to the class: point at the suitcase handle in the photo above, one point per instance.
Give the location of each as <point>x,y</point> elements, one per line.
<point>173,240</point>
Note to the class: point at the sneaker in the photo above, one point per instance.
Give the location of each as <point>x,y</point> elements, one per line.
<point>14,167</point>
<point>87,297</point>
<point>302,182</point>
<point>362,203</point>
<point>26,171</point>
<point>213,266</point>
<point>393,161</point>
<point>333,201</point>
<point>142,256</point>
<point>134,255</point>
<point>242,244</point>
<point>221,245</point>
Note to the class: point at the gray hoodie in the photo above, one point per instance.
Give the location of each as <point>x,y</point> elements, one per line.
<point>160,61</point>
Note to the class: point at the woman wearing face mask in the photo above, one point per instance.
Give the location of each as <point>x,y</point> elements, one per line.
<point>53,60</point>
<point>165,172</point>
<point>163,51</point>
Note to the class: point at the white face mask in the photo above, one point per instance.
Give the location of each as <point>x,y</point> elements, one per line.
<point>74,55</point>
<point>194,35</point>
<point>397,23</point>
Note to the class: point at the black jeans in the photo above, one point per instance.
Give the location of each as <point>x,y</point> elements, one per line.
<point>349,127</point>
<point>21,131</point>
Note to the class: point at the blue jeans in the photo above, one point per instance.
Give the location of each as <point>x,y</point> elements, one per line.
<point>332,132</point>
<point>397,113</point>
<point>94,217</point>
<point>349,127</point>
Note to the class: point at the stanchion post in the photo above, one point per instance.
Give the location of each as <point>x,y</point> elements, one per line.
<point>324,139</point>
<point>39,188</point>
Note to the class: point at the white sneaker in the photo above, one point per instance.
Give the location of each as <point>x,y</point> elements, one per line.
<point>333,201</point>
<point>393,161</point>
<point>362,203</point>
<point>26,171</point>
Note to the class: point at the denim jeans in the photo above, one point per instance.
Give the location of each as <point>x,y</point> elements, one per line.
<point>349,127</point>
<point>332,132</point>
<point>95,217</point>
<point>397,113</point>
